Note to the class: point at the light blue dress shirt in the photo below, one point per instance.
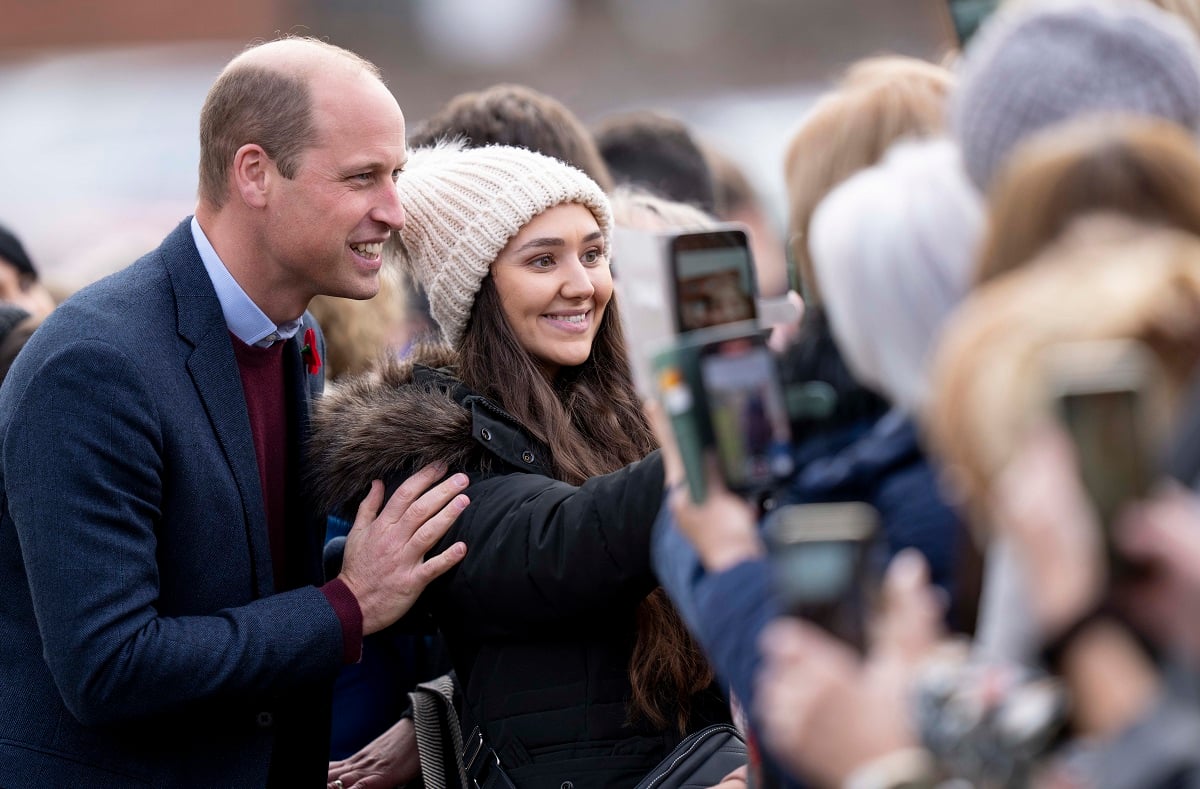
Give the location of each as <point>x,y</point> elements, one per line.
<point>247,322</point>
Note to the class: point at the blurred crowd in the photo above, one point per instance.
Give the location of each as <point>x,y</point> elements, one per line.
<point>977,252</point>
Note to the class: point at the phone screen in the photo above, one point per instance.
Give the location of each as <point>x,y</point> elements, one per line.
<point>819,558</point>
<point>1107,429</point>
<point>818,572</point>
<point>747,412</point>
<point>714,279</point>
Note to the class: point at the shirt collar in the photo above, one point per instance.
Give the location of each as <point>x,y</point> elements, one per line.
<point>243,317</point>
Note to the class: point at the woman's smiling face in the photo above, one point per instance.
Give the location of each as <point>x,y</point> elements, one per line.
<point>554,283</point>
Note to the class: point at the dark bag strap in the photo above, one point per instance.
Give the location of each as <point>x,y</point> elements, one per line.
<point>702,759</point>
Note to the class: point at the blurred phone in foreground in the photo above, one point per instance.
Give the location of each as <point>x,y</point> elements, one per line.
<point>1105,394</point>
<point>821,564</point>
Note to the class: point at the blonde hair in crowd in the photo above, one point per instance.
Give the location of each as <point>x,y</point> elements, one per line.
<point>1142,168</point>
<point>640,209</point>
<point>1107,279</point>
<point>359,333</point>
<point>878,101</point>
<point>1187,10</point>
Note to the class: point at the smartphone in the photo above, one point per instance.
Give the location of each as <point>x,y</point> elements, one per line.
<point>966,16</point>
<point>1105,394</point>
<point>713,277</point>
<point>822,564</point>
<point>721,389</point>
<point>747,413</point>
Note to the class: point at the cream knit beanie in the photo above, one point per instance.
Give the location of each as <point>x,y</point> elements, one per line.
<point>463,206</point>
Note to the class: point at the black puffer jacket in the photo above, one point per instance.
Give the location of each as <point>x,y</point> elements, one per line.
<point>539,617</point>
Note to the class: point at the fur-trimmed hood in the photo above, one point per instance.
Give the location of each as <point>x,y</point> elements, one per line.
<point>402,416</point>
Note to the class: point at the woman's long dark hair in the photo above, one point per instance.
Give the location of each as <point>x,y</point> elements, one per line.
<point>591,420</point>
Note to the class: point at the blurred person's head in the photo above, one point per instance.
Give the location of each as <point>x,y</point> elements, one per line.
<point>639,209</point>
<point>657,152</point>
<point>1035,65</point>
<point>300,143</point>
<point>1106,278</point>
<point>19,282</point>
<point>877,102</point>
<point>509,114</point>
<point>361,332</point>
<point>893,247</point>
<point>738,201</point>
<point>1143,168</point>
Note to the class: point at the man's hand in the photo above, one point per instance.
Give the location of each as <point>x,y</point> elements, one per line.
<point>387,761</point>
<point>385,565</point>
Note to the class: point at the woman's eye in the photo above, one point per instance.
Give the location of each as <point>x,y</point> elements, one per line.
<point>592,256</point>
<point>545,261</point>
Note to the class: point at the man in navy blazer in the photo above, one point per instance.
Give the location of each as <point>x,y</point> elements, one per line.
<point>163,617</point>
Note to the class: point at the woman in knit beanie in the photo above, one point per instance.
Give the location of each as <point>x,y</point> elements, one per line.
<point>575,667</point>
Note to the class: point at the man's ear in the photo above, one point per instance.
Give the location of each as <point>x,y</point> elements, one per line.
<point>252,174</point>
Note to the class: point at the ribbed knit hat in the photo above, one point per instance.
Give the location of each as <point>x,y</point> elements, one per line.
<point>463,206</point>
<point>1038,65</point>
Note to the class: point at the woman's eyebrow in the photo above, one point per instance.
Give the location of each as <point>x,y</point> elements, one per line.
<point>540,243</point>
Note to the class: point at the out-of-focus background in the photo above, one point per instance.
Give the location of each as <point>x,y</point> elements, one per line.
<point>99,142</point>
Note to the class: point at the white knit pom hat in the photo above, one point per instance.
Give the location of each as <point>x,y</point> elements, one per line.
<point>464,205</point>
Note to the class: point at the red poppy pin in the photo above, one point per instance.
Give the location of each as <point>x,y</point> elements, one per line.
<point>309,352</point>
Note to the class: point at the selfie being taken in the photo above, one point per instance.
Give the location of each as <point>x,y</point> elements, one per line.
<point>547,394</point>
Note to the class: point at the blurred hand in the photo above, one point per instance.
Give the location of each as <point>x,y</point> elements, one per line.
<point>738,779</point>
<point>785,333</point>
<point>823,711</point>
<point>724,528</point>
<point>390,760</point>
<point>1162,535</point>
<point>1039,502</point>
<point>385,565</point>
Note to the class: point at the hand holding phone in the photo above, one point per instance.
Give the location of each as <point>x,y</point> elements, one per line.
<point>721,389</point>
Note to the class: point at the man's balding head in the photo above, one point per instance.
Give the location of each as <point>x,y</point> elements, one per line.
<point>264,96</point>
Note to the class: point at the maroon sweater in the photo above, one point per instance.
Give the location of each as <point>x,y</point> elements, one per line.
<point>261,370</point>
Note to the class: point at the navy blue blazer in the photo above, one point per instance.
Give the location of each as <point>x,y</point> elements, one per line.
<point>144,641</point>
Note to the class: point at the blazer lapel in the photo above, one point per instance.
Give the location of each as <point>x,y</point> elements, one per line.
<point>214,372</point>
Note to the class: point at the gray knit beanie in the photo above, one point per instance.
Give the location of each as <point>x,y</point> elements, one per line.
<point>464,205</point>
<point>1035,66</point>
